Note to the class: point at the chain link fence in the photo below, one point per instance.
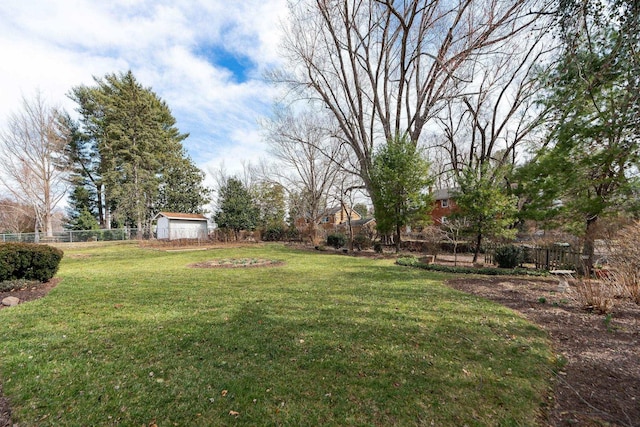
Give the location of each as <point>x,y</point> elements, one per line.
<point>73,236</point>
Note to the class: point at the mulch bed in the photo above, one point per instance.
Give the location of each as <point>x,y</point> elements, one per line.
<point>599,385</point>
<point>599,381</point>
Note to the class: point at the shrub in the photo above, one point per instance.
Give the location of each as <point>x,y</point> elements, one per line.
<point>623,269</point>
<point>28,261</point>
<point>336,240</point>
<point>274,234</point>
<point>377,247</point>
<point>12,285</point>
<point>278,233</point>
<point>361,242</point>
<point>114,234</point>
<point>595,295</point>
<point>293,233</point>
<point>509,256</point>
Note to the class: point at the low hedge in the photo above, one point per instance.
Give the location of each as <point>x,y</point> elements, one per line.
<point>488,271</point>
<point>28,261</point>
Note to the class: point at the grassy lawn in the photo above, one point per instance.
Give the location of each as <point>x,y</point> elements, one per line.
<point>131,336</point>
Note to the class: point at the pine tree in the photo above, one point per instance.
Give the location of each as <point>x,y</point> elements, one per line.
<point>182,188</point>
<point>237,210</point>
<point>131,153</point>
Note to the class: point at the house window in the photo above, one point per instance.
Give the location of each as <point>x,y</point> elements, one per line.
<point>444,203</point>
<point>325,220</point>
<point>443,220</point>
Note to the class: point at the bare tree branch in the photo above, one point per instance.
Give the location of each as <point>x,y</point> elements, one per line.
<point>386,68</point>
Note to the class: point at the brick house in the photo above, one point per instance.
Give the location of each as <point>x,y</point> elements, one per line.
<point>444,205</point>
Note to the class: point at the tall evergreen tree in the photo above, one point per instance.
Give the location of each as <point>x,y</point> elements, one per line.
<point>129,150</point>
<point>486,207</point>
<point>270,200</point>
<point>80,203</point>
<point>182,188</point>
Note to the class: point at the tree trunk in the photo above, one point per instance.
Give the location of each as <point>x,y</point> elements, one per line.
<point>455,253</point>
<point>313,232</point>
<point>48,224</point>
<point>477,249</point>
<point>397,238</point>
<point>101,208</point>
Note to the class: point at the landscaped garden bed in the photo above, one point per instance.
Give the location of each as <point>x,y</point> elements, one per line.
<point>237,263</point>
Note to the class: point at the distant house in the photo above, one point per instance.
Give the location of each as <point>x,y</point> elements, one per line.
<point>335,219</point>
<point>174,226</point>
<point>330,219</point>
<point>366,226</point>
<point>444,206</point>
<point>338,216</point>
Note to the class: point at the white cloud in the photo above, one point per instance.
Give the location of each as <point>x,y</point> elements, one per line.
<point>54,46</point>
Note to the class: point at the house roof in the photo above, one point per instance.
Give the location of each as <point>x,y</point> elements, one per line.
<point>444,193</point>
<point>182,216</point>
<point>362,221</point>
<point>333,211</point>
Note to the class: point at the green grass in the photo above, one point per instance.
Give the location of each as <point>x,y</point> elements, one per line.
<point>132,335</point>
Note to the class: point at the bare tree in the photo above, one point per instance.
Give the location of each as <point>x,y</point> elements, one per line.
<point>16,217</point>
<point>453,229</point>
<point>32,167</point>
<point>345,192</point>
<point>309,161</point>
<point>384,68</point>
<point>498,112</point>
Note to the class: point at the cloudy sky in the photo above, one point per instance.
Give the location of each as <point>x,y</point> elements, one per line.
<point>205,58</point>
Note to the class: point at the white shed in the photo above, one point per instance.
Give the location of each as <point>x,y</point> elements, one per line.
<point>173,226</point>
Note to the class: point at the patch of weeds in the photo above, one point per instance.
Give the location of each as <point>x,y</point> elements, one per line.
<point>542,300</point>
<point>607,322</point>
<point>594,296</point>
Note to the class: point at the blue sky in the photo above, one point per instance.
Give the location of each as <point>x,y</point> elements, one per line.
<point>205,58</point>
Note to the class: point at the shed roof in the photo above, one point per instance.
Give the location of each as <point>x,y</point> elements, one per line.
<point>182,216</point>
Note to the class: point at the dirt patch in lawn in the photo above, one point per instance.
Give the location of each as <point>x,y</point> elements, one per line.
<point>237,263</point>
<point>598,383</point>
